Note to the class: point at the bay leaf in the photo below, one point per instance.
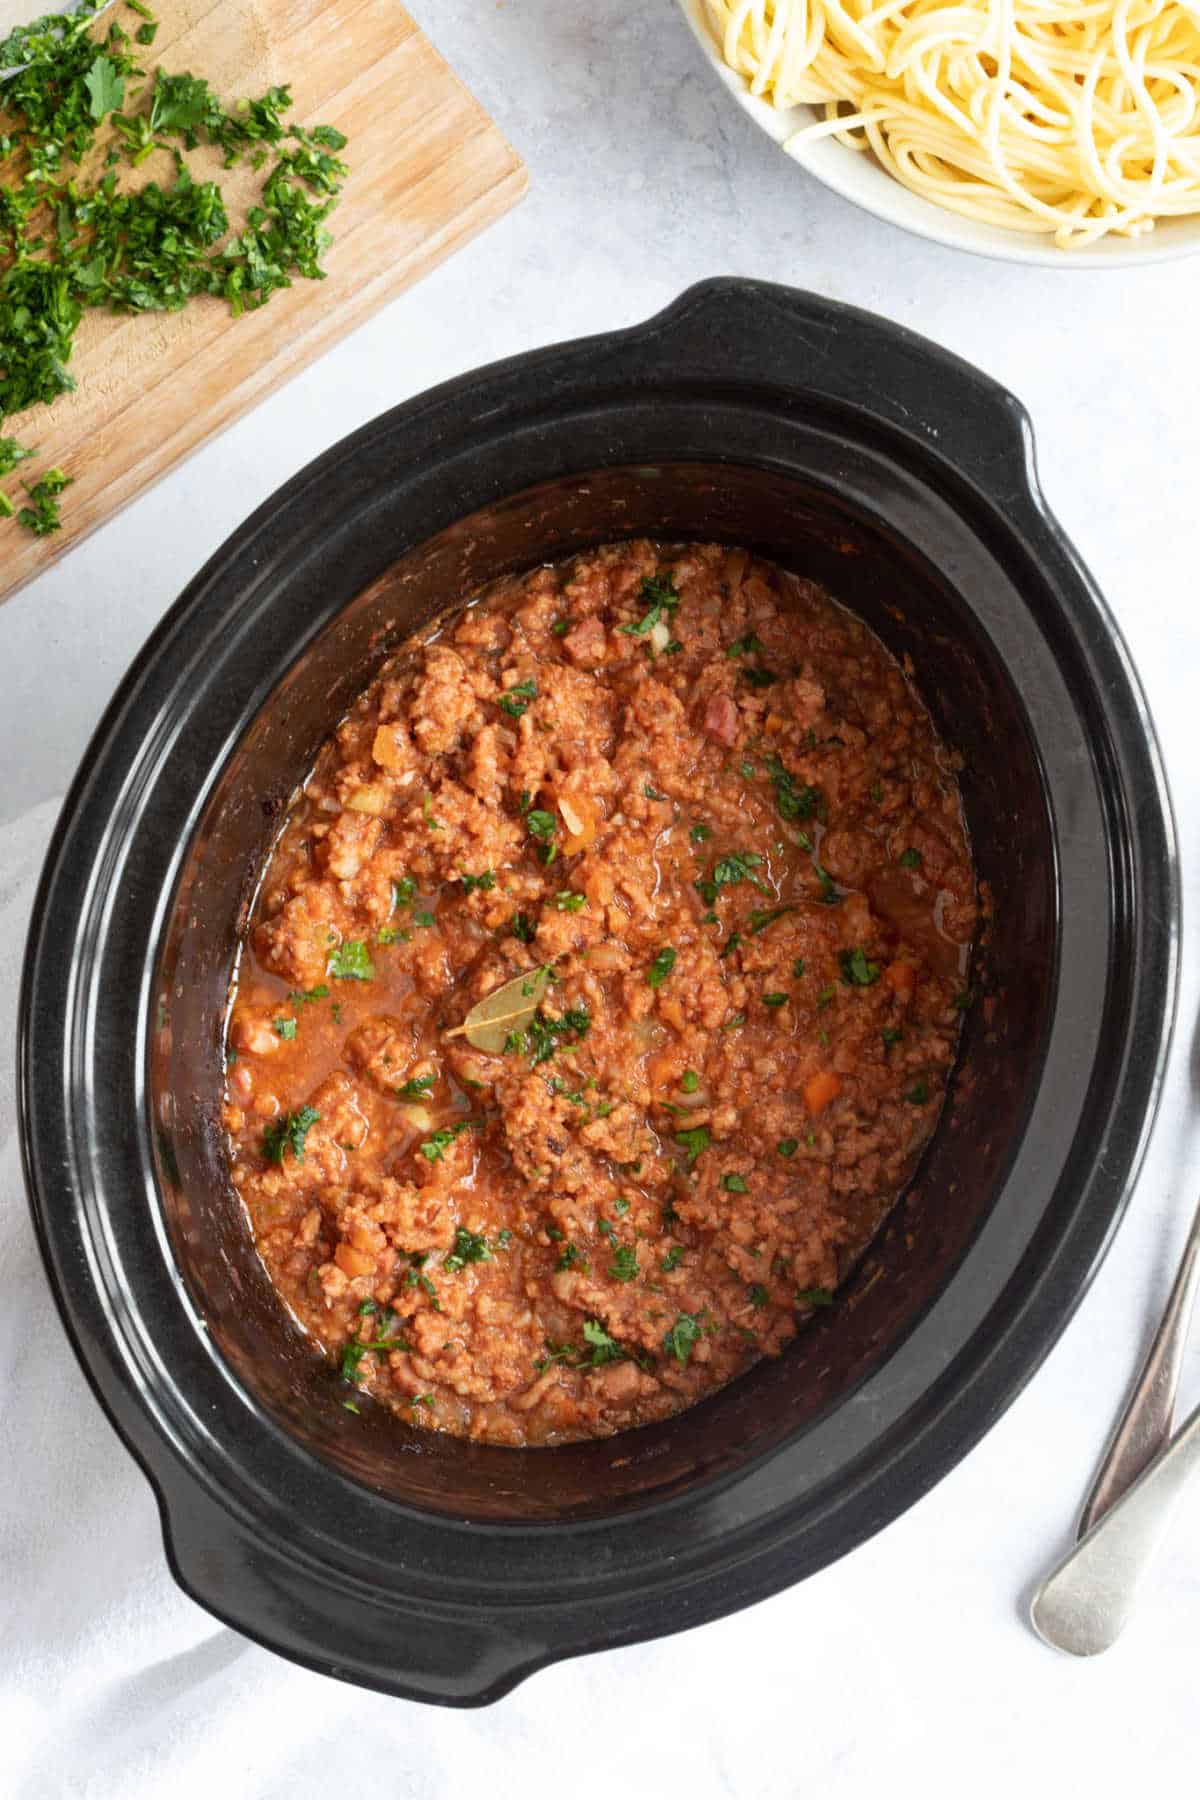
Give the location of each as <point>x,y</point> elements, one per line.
<point>506,1009</point>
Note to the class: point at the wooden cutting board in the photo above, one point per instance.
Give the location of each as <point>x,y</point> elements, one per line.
<point>428,169</point>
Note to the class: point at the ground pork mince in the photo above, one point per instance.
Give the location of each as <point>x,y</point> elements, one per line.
<point>692,817</point>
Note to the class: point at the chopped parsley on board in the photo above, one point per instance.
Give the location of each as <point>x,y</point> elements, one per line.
<point>74,237</point>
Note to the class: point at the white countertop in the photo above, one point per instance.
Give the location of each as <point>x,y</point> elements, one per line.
<point>909,1661</point>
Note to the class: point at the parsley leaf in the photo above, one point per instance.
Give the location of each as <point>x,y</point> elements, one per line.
<point>695,1141</point>
<point>761,917</point>
<point>469,1247</point>
<point>857,971</point>
<point>435,1147</point>
<point>106,86</point>
<point>522,927</point>
<point>351,961</point>
<point>515,700</point>
<point>416,1089</point>
<point>288,1132</point>
<point>660,595</point>
<point>683,1336</point>
<point>661,967</point>
<point>793,801</point>
<point>624,1264</point>
<point>485,882</point>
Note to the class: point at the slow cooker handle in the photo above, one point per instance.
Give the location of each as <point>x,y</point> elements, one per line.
<point>438,1655</point>
<point>732,332</point>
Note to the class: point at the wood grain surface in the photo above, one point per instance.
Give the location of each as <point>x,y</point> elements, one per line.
<point>428,170</point>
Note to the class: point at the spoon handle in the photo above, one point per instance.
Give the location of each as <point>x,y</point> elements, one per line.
<point>1085,1603</point>
<point>1145,1425</point>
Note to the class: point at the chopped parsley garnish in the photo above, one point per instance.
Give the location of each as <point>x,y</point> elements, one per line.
<point>566,901</point>
<point>775,999</point>
<point>690,1081</point>
<point>746,646</point>
<point>42,515</point>
<point>748,771</point>
<point>826,997</point>
<point>731,943</point>
<point>621,1206</point>
<point>672,1259</point>
<point>876,792</point>
<point>424,919</point>
<point>541,1037</point>
<point>560,628</point>
<point>695,1141</point>
<point>302,997</point>
<point>416,1089</point>
<point>857,971</point>
<point>469,1247</point>
<point>794,800</point>
<point>814,1296</point>
<point>733,1183</point>
<point>762,916</point>
<point>798,967</point>
<point>891,1034</point>
<point>660,596</point>
<point>605,1228</point>
<point>651,792</point>
<point>829,895</point>
<point>542,825</point>
<point>918,1093</point>
<point>661,967</point>
<point>699,833</point>
<point>758,1295</point>
<point>728,871</point>
<point>522,927</point>
<point>288,1132</point>
<point>427,813</point>
<point>788,1146</point>
<point>434,1148</point>
<point>683,1336</point>
<point>732,1024</point>
<point>485,882</point>
<point>572,1257</point>
<point>388,934</point>
<point>351,961</point>
<point>624,1264</point>
<point>422,1400</point>
<point>284,1028</point>
<point>404,891</point>
<point>598,1348</point>
<point>515,699</point>
<point>759,678</point>
<point>910,859</point>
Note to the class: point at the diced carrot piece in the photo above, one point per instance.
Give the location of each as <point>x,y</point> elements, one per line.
<point>390,748</point>
<point>901,977</point>
<point>820,1089</point>
<point>580,820</point>
<point>353,1262</point>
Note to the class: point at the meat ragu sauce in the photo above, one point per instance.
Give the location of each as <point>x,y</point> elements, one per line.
<point>706,800</point>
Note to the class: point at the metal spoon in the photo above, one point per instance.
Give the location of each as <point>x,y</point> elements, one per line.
<point>1145,1424</point>
<point>1085,1604</point>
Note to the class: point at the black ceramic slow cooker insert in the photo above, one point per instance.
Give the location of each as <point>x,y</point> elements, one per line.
<point>847,450</point>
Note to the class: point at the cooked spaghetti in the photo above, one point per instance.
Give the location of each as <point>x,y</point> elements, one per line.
<point>1076,118</point>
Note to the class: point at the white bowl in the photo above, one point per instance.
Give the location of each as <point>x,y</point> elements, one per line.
<point>860,178</point>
